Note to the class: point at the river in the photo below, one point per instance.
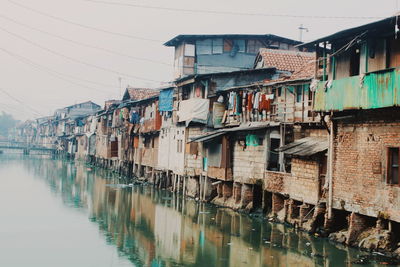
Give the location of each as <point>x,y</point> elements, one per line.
<point>61,213</point>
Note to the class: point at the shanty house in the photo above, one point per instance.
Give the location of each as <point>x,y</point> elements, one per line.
<point>358,95</point>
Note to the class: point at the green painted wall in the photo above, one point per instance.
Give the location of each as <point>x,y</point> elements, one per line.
<point>377,90</point>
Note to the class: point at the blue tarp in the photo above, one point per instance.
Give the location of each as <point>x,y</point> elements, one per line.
<point>166,100</point>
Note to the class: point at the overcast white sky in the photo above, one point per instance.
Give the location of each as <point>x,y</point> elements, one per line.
<point>33,72</point>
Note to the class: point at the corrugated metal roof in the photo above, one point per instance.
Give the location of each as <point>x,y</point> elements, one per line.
<point>251,126</point>
<point>307,146</point>
<point>387,22</point>
<point>191,37</point>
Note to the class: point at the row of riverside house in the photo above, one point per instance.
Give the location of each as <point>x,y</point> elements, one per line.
<point>308,134</point>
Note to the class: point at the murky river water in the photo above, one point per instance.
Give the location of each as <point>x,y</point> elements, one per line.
<point>57,213</point>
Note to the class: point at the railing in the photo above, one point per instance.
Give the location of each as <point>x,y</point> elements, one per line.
<point>367,91</point>
<point>25,145</point>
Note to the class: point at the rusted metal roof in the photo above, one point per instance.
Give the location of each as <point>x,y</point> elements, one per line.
<point>251,126</point>
<point>348,33</point>
<point>133,93</point>
<point>192,37</point>
<point>304,147</point>
<point>285,60</point>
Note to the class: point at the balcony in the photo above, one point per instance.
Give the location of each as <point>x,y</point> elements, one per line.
<point>377,89</point>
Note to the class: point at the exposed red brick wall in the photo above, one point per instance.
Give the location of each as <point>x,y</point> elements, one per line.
<point>360,169</point>
<point>301,184</point>
<point>227,190</point>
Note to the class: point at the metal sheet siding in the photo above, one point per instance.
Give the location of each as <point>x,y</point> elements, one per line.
<point>377,90</point>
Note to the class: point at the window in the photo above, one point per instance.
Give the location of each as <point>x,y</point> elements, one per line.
<point>217,46</point>
<point>179,146</point>
<point>204,47</point>
<point>189,50</point>
<point>253,46</point>
<point>146,142</point>
<point>228,45</point>
<point>393,165</point>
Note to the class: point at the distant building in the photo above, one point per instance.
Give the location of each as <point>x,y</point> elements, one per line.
<point>202,54</point>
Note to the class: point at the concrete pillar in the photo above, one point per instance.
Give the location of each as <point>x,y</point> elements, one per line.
<point>278,203</point>
<point>237,192</point>
<point>357,223</point>
<point>205,187</point>
<point>227,190</point>
<point>184,186</point>
<point>246,194</point>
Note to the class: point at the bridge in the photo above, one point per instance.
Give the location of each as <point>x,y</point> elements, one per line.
<point>25,147</point>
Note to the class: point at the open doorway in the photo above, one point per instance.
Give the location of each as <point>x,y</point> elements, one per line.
<point>355,61</point>
<point>273,160</point>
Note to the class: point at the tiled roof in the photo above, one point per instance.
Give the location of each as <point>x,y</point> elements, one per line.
<point>140,93</point>
<point>285,60</point>
<point>307,71</point>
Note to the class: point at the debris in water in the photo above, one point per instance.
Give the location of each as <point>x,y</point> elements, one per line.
<point>204,212</point>
<point>229,243</point>
<point>308,244</point>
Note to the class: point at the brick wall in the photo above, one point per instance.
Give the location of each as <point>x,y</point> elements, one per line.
<point>360,169</point>
<point>248,164</point>
<point>304,182</point>
<point>301,184</point>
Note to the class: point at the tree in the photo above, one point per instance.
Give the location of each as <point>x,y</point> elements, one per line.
<point>7,122</point>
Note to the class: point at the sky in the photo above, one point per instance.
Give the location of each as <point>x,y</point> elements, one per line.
<point>55,53</point>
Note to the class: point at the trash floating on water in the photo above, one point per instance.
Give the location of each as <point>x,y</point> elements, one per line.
<point>267,242</point>
<point>308,244</point>
<point>204,212</point>
<point>229,243</point>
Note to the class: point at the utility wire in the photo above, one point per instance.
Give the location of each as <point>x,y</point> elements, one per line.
<point>81,43</point>
<point>77,60</point>
<point>21,102</point>
<point>49,71</point>
<point>56,72</point>
<point>82,25</point>
<point>217,12</point>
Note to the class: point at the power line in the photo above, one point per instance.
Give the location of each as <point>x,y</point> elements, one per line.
<point>83,44</point>
<point>56,72</point>
<point>77,60</point>
<point>48,71</point>
<point>217,12</point>
<point>82,25</point>
<point>19,101</point>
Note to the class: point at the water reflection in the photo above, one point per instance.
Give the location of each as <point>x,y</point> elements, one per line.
<point>157,228</point>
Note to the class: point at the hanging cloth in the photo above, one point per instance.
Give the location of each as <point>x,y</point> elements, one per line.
<point>263,103</point>
<point>249,101</point>
<point>256,100</point>
<point>239,103</point>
